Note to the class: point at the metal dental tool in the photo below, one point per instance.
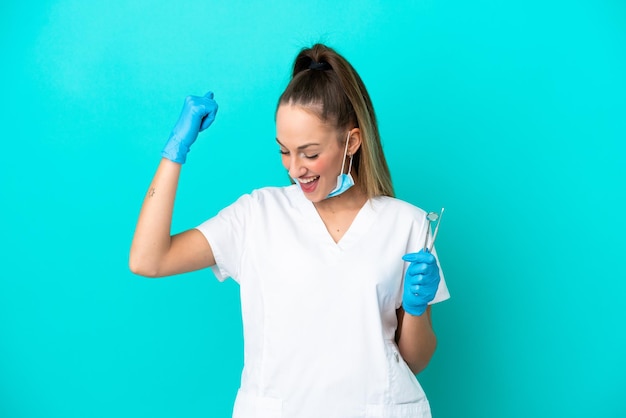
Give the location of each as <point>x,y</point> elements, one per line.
<point>430,218</point>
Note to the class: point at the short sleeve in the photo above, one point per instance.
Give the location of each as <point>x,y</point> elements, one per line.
<point>225,233</point>
<point>442,291</point>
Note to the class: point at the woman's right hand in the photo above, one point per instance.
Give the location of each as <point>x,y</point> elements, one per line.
<point>198,114</point>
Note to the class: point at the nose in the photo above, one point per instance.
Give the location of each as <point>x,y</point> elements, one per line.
<point>295,167</point>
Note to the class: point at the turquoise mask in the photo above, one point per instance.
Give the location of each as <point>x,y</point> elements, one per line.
<point>344,181</point>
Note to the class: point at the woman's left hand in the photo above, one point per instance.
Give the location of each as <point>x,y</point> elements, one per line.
<point>420,282</point>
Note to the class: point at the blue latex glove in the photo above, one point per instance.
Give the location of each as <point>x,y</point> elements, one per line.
<point>420,282</point>
<point>198,113</point>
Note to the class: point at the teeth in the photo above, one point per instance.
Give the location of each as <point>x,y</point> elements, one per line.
<point>309,180</point>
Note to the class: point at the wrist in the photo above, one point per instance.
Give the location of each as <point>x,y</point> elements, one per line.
<point>175,150</point>
<point>413,309</point>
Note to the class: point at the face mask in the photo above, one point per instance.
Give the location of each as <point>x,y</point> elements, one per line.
<point>344,181</point>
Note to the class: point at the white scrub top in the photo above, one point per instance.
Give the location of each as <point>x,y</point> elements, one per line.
<point>319,317</point>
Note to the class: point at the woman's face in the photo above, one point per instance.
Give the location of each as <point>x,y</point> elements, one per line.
<point>310,150</point>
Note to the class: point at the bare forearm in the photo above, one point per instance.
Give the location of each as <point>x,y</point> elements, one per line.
<point>416,340</point>
<point>152,235</point>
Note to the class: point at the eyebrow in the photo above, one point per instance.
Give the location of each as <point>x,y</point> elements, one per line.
<point>301,147</point>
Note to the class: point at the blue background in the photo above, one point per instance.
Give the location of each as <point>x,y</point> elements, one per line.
<point>509,114</point>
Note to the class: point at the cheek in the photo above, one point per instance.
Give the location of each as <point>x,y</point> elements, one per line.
<point>320,167</point>
<point>324,166</point>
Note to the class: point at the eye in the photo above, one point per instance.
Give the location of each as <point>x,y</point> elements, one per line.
<point>311,157</point>
<point>283,152</point>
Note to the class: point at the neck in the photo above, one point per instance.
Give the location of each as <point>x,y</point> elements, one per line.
<point>351,199</point>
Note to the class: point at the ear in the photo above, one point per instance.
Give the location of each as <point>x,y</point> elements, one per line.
<point>355,141</point>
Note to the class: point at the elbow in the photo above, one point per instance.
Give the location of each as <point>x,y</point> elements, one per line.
<point>418,367</point>
<point>141,268</point>
<point>142,271</point>
<point>420,360</point>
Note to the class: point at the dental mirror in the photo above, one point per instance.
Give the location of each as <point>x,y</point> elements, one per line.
<point>432,217</point>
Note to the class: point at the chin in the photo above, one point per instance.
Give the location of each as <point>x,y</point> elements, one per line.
<point>314,198</point>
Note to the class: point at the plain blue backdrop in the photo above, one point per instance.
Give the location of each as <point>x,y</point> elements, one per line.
<point>511,114</point>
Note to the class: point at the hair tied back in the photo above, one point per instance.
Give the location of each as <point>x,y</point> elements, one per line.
<point>319,66</point>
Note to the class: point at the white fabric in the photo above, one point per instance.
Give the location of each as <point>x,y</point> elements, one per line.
<point>319,317</point>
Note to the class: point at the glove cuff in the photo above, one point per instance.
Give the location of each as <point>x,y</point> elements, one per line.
<point>175,151</point>
<point>415,310</point>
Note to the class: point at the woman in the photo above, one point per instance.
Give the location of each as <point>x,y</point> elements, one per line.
<point>335,286</point>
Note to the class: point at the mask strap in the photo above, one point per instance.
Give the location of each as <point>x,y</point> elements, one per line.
<point>345,154</point>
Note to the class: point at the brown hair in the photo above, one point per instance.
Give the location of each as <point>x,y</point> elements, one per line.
<point>326,83</point>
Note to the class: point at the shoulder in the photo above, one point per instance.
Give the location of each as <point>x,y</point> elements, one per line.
<point>273,191</point>
<point>273,194</point>
<point>399,208</point>
<point>270,197</point>
<point>257,204</point>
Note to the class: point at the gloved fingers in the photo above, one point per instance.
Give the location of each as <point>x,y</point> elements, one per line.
<point>422,268</point>
<point>417,268</point>
<point>420,257</point>
<point>414,280</point>
<point>421,293</point>
<point>199,112</point>
<point>423,280</point>
<point>199,106</point>
<point>415,289</point>
<point>211,110</point>
<point>191,105</point>
<point>203,109</point>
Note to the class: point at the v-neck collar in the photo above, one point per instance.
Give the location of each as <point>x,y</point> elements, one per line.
<point>359,226</point>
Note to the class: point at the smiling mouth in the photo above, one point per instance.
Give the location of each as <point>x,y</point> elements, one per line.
<point>308,180</point>
<point>309,184</point>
